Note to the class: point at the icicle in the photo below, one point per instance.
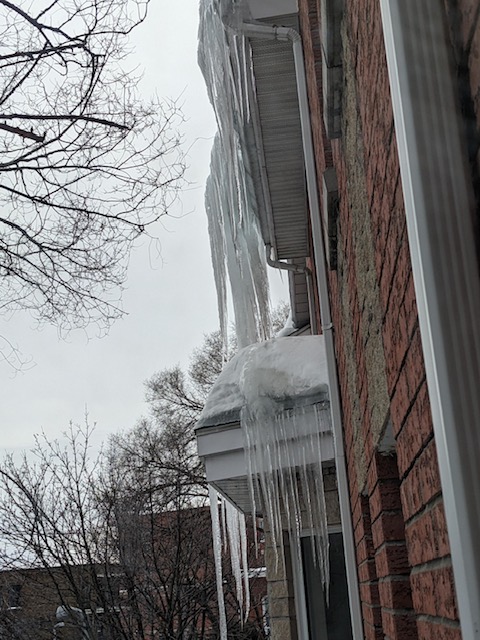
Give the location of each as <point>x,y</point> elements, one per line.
<point>217,554</point>
<point>231,528</point>
<point>235,551</point>
<point>244,554</point>
<point>235,236</point>
<point>284,455</point>
<point>223,509</point>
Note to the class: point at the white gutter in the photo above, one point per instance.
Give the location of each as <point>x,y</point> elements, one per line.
<point>439,211</point>
<point>285,33</point>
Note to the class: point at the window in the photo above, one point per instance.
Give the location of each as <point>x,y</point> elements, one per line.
<point>13,596</point>
<point>317,618</point>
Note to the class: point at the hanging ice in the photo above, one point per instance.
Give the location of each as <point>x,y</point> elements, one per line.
<point>278,392</point>
<point>217,555</point>
<point>277,389</point>
<point>234,530</point>
<point>236,244</point>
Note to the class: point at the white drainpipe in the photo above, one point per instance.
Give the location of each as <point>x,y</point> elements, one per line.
<point>284,33</point>
<point>439,211</point>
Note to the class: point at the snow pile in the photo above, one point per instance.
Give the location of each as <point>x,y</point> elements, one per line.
<point>236,244</point>
<point>269,377</point>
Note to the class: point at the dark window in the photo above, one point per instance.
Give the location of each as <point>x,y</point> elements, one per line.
<point>327,621</point>
<point>13,596</point>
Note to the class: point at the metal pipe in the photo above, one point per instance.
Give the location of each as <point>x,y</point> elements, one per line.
<point>278,264</point>
<point>284,33</point>
<point>438,205</point>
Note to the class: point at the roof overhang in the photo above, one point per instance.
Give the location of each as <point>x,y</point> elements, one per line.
<point>275,149</point>
<point>272,395</point>
<point>275,145</point>
<point>222,450</point>
<point>268,8</point>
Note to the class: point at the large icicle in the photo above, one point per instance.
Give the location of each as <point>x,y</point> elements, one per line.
<point>236,243</point>
<point>217,555</point>
<point>234,531</point>
<point>285,454</point>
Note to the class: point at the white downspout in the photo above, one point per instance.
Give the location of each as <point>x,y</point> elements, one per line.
<point>288,266</point>
<point>438,203</point>
<point>285,33</point>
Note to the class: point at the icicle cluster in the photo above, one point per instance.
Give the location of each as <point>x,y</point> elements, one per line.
<point>284,453</point>
<point>230,535</point>
<point>236,244</point>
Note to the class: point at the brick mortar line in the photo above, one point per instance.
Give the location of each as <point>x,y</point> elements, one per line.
<point>400,611</point>
<point>446,622</point>
<point>432,565</point>
<point>394,578</point>
<point>427,442</point>
<point>430,506</point>
<point>388,512</point>
<point>390,543</point>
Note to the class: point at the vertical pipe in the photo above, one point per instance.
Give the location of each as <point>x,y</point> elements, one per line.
<point>438,205</point>
<point>284,33</point>
<point>325,312</point>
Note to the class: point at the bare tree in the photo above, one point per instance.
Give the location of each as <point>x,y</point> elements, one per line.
<point>86,167</point>
<point>124,538</point>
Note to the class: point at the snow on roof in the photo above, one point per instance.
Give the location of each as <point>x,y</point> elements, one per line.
<point>273,375</point>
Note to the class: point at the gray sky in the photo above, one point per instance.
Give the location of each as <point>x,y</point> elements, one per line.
<point>171,301</point>
<point>170,306</point>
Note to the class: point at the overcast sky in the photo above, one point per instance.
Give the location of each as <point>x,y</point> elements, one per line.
<point>171,301</point>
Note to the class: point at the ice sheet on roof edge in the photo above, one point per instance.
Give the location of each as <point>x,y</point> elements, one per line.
<point>238,253</point>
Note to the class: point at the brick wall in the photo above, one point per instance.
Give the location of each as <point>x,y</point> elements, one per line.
<point>403,556</point>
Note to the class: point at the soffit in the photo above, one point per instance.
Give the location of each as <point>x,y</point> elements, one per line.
<point>279,148</point>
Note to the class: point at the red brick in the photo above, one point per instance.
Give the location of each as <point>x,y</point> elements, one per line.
<point>427,537</point>
<point>369,593</point>
<point>400,403</point>
<point>364,549</point>
<point>414,363</point>
<point>423,593</point>
<point>416,431</point>
<point>367,571</point>
<point>384,466</point>
<point>433,593</point>
<point>385,496</point>
<point>372,614</point>
<point>422,483</point>
<point>373,633</point>
<point>409,444</point>
<point>445,596</point>
<point>388,527</point>
<point>399,625</point>
<point>431,630</point>
<point>395,592</point>
<point>391,559</point>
